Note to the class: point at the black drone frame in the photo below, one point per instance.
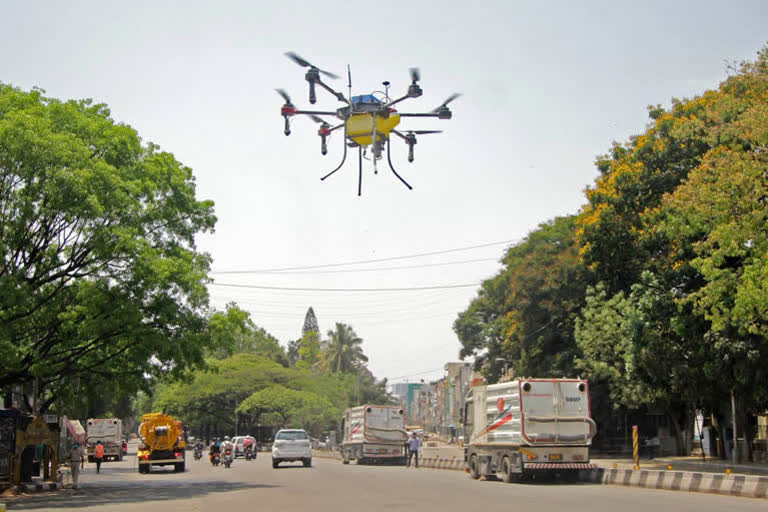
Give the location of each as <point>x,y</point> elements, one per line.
<point>377,110</point>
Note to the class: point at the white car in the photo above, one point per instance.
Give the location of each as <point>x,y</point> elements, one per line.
<point>291,445</point>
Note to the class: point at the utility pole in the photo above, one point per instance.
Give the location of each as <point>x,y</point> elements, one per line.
<point>735,451</point>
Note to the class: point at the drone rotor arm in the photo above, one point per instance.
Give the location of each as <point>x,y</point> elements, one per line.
<point>420,114</point>
<point>399,134</point>
<point>339,95</point>
<point>315,112</point>
<point>398,100</point>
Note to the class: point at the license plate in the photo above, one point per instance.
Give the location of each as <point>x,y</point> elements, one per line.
<point>555,456</point>
<point>382,450</point>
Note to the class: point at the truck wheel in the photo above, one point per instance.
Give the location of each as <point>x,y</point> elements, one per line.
<point>344,457</point>
<point>307,463</point>
<point>275,463</point>
<point>474,474</point>
<point>506,471</point>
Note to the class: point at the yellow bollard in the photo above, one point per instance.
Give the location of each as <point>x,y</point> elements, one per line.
<point>669,467</point>
<point>615,466</point>
<point>727,471</point>
<point>635,454</point>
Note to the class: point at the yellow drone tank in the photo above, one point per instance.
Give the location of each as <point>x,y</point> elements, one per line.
<point>360,127</point>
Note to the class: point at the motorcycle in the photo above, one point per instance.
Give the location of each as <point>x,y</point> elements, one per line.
<point>227,458</point>
<point>198,453</point>
<point>250,454</point>
<point>215,458</point>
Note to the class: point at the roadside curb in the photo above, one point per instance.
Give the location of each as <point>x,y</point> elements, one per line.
<point>747,486</point>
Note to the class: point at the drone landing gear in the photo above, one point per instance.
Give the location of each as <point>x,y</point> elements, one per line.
<point>360,172</point>
<point>343,158</point>
<point>389,159</point>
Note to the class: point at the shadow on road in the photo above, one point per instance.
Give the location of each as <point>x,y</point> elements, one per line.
<point>129,492</point>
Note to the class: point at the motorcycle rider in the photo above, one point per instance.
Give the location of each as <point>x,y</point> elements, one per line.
<point>199,448</point>
<point>215,449</point>
<point>227,446</point>
<point>248,448</point>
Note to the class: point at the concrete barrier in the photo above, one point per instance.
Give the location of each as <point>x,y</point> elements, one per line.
<point>453,463</point>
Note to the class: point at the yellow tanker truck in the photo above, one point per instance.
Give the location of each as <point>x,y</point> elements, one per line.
<point>162,442</point>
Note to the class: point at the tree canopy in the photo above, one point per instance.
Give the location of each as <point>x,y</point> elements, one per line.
<point>656,289</point>
<point>100,275</point>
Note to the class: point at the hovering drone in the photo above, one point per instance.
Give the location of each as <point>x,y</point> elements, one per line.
<point>367,120</point>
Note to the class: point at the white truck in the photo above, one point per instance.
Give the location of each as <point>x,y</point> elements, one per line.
<point>373,433</point>
<point>110,432</point>
<point>527,427</point>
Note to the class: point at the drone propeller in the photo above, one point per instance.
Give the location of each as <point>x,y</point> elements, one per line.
<point>447,101</point>
<point>424,132</point>
<point>284,94</point>
<point>415,75</point>
<point>306,64</point>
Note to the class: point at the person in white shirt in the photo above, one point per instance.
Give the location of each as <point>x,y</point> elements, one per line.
<point>414,446</point>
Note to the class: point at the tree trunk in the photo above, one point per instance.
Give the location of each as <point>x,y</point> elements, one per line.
<point>745,427</point>
<point>681,444</point>
<point>720,433</point>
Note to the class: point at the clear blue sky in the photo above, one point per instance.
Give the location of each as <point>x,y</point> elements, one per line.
<point>547,86</point>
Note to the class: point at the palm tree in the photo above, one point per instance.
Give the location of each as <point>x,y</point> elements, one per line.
<point>343,350</point>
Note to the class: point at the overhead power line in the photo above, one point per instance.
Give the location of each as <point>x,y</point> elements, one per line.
<point>415,374</point>
<point>378,269</point>
<point>361,262</point>
<point>413,288</point>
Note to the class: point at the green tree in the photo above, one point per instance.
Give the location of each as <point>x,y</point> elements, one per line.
<point>343,351</point>
<point>99,273</point>
<point>292,352</point>
<point>310,323</point>
<point>234,332</point>
<point>523,317</point>
<point>287,407</point>
<point>308,350</point>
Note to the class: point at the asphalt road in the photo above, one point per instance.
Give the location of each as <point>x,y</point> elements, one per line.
<point>330,486</point>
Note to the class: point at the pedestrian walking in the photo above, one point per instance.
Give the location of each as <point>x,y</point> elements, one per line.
<point>414,445</point>
<point>76,461</point>
<point>98,455</point>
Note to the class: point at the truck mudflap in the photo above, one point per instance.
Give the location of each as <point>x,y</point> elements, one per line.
<point>565,466</point>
